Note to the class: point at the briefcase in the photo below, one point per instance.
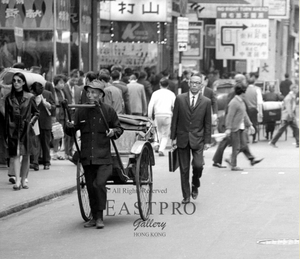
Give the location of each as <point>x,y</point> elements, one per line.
<point>173,159</point>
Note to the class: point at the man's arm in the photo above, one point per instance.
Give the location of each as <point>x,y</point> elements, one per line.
<point>207,124</point>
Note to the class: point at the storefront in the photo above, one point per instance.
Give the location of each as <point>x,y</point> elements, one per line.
<point>30,32</point>
<point>135,33</point>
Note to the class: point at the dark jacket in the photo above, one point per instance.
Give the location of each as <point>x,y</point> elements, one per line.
<point>45,121</point>
<point>210,94</point>
<point>148,88</point>
<point>18,121</point>
<point>95,145</point>
<point>191,125</point>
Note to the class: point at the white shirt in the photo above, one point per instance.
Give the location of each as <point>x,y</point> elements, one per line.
<point>195,99</point>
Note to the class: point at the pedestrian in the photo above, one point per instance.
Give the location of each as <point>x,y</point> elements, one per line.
<point>191,132</point>
<point>218,156</point>
<point>89,77</point>
<point>59,83</point>
<point>21,113</point>
<point>237,121</point>
<point>284,85</point>
<point>142,79</point>
<point>46,105</point>
<point>288,116</point>
<point>95,155</point>
<point>172,85</point>
<point>137,97</point>
<point>161,106</point>
<point>73,94</point>
<point>254,100</point>
<point>271,96</point>
<point>115,78</point>
<point>113,95</point>
<point>184,84</point>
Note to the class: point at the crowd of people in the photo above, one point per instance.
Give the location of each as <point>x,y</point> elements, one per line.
<point>185,113</point>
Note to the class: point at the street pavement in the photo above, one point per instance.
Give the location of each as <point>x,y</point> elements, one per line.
<point>234,211</point>
<point>61,178</point>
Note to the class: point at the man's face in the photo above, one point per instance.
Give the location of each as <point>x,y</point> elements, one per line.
<point>195,84</point>
<point>93,94</point>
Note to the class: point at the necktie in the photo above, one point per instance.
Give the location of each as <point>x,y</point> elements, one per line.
<point>193,101</point>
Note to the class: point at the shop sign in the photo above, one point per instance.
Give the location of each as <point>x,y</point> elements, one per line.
<point>35,14</point>
<point>135,31</point>
<point>136,10</point>
<point>242,32</point>
<point>278,9</point>
<point>210,36</point>
<point>128,54</point>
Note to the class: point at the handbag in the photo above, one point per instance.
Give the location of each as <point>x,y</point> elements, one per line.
<point>57,130</point>
<point>173,159</point>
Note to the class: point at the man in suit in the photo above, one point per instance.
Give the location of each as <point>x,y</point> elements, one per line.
<point>46,105</point>
<point>73,94</point>
<point>191,132</point>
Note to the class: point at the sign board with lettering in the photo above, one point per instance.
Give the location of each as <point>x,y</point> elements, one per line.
<point>242,32</point>
<point>182,46</point>
<point>128,54</point>
<point>278,9</point>
<point>195,42</point>
<point>137,10</point>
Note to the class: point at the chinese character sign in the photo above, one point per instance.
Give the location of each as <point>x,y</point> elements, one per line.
<point>136,10</point>
<point>242,32</point>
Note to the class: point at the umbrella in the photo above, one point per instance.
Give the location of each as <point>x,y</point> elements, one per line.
<point>7,74</point>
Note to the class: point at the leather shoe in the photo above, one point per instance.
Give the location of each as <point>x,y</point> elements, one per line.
<point>91,223</point>
<point>219,165</point>
<point>99,223</point>
<point>255,161</point>
<point>194,192</point>
<point>46,167</point>
<point>185,201</point>
<point>34,167</point>
<point>235,168</point>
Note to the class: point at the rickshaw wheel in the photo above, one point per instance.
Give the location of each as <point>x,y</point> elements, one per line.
<point>144,182</point>
<point>82,194</point>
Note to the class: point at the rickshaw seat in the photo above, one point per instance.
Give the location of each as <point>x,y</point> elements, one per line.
<point>134,122</point>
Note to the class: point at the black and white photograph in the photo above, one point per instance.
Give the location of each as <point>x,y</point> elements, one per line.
<point>149,129</point>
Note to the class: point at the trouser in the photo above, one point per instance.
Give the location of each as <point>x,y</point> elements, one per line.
<point>45,138</point>
<point>283,127</point>
<point>36,150</point>
<point>96,177</point>
<point>239,144</point>
<point>253,117</point>
<point>270,126</point>
<point>163,124</point>
<point>184,155</point>
<point>218,156</point>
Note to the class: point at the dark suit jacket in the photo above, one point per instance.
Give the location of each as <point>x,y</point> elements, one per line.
<point>210,94</point>
<point>191,125</point>
<point>45,121</point>
<point>77,92</point>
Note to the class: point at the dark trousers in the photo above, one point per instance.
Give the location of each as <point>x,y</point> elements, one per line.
<point>69,142</point>
<point>45,139</point>
<point>184,155</point>
<point>253,117</point>
<point>239,144</point>
<point>270,126</point>
<point>36,150</point>
<point>218,156</point>
<point>283,127</point>
<point>96,177</point>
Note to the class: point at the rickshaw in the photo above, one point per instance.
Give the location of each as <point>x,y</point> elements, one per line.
<point>133,159</point>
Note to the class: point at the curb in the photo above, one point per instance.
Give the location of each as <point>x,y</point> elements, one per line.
<point>31,203</point>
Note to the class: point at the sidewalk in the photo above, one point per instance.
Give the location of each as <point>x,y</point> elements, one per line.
<point>43,185</point>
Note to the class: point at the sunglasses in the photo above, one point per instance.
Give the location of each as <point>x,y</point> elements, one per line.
<point>17,81</point>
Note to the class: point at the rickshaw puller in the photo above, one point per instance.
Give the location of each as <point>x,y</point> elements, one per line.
<point>95,155</point>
